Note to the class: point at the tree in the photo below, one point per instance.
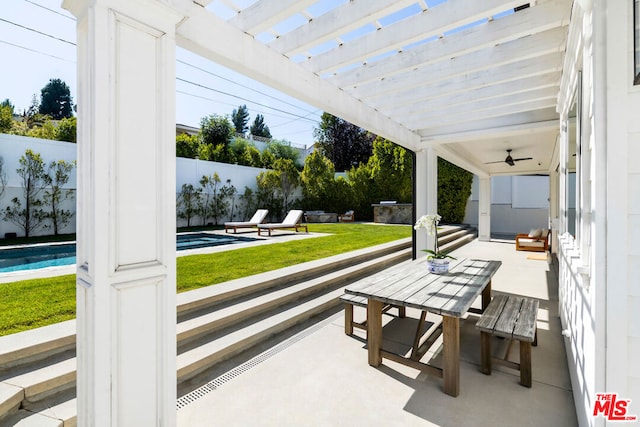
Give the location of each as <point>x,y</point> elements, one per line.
<point>32,116</point>
<point>259,128</point>
<point>282,150</point>
<point>391,167</point>
<point>187,146</point>
<point>386,176</point>
<point>7,103</point>
<point>289,178</point>
<point>248,203</point>
<point>267,158</point>
<point>6,118</point>
<point>31,171</point>
<point>209,186</point>
<point>250,157</point>
<point>267,196</point>
<point>240,118</point>
<point>345,144</point>
<point>188,201</point>
<point>317,179</point>
<point>3,178</point>
<point>55,100</point>
<point>67,130</point>
<point>454,189</point>
<point>55,179</point>
<point>216,134</point>
<point>44,131</point>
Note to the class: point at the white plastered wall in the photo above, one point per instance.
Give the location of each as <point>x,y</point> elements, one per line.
<point>622,269</point>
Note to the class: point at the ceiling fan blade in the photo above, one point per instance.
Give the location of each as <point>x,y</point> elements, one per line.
<point>523,158</point>
<point>490,163</point>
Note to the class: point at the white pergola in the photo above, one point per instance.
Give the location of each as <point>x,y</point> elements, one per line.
<point>461,79</point>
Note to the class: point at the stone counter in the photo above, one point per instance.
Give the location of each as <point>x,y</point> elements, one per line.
<point>313,216</point>
<point>396,213</point>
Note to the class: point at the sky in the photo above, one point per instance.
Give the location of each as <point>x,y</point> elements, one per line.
<point>37,43</point>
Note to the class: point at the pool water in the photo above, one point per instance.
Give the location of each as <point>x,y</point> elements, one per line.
<point>56,255</point>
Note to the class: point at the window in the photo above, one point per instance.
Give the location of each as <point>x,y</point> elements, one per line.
<point>572,163</point>
<point>570,176</point>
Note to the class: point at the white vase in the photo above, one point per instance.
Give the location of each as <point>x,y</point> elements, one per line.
<point>438,266</point>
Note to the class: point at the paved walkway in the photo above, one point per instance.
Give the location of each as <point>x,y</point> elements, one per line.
<point>321,377</point>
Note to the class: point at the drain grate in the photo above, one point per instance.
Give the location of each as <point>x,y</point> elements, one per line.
<point>248,365</point>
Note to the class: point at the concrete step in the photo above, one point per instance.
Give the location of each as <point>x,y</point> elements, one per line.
<point>38,367</point>
<point>36,345</point>
<point>41,383</point>
<point>460,241</point>
<point>242,309</point>
<point>455,235</point>
<point>204,298</point>
<point>61,413</point>
<point>447,229</point>
<point>192,362</point>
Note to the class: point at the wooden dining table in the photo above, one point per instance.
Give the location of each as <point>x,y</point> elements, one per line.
<point>449,295</point>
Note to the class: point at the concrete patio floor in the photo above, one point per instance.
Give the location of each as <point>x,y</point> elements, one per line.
<point>320,377</point>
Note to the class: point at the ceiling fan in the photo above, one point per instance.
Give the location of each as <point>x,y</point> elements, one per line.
<point>510,160</point>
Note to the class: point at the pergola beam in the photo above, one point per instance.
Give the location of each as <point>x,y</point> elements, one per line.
<point>335,23</point>
<point>497,111</point>
<point>438,131</point>
<point>445,17</point>
<point>408,104</point>
<point>498,36</point>
<point>538,46</point>
<point>264,14</point>
<point>473,107</point>
<point>241,52</point>
<point>476,80</point>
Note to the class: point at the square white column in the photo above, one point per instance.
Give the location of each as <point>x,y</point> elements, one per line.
<point>126,278</point>
<point>426,197</point>
<point>484,209</point>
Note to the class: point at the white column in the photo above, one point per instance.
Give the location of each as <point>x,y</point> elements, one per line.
<point>126,284</point>
<point>426,192</point>
<point>484,209</point>
<point>421,198</point>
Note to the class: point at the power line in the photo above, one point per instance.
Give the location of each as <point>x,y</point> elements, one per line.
<point>51,10</point>
<point>295,120</point>
<point>38,32</point>
<point>233,105</point>
<point>244,86</point>
<point>238,97</point>
<point>289,114</point>
<point>36,51</point>
<point>178,60</point>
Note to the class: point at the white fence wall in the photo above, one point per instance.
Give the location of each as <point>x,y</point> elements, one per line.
<point>188,171</point>
<point>13,147</point>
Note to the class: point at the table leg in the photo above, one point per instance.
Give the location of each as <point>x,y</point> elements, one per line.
<point>486,296</point>
<point>374,331</point>
<point>451,355</point>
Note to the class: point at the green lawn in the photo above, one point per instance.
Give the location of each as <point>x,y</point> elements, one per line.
<point>30,304</point>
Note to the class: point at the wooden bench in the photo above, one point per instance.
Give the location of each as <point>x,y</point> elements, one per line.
<point>349,301</point>
<point>513,318</point>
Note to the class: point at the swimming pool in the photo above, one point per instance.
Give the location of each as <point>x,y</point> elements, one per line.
<point>55,255</point>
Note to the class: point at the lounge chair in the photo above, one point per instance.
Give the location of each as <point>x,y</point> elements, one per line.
<point>256,219</point>
<point>291,221</point>
<point>537,240</point>
<point>348,216</point>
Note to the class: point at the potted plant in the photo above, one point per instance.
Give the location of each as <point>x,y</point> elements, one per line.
<point>437,261</point>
